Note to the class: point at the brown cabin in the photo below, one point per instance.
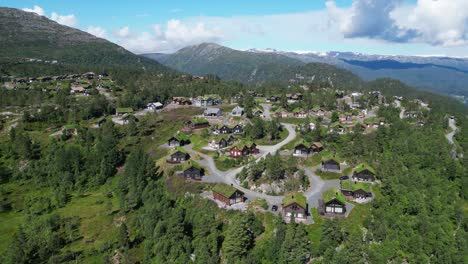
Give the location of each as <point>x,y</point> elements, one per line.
<point>227,194</point>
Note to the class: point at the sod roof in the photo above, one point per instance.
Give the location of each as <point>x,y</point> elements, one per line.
<point>198,121</point>
<point>224,189</point>
<point>295,197</point>
<point>333,193</point>
<point>124,110</point>
<point>70,126</point>
<point>363,166</point>
<point>354,186</point>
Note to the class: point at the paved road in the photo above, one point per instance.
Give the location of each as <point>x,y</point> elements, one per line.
<point>266,111</point>
<point>454,128</point>
<point>317,185</point>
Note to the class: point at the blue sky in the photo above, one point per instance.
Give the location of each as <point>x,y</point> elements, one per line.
<point>407,27</point>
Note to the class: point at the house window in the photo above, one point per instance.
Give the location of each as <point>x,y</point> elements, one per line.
<point>288,214</point>
<point>299,215</point>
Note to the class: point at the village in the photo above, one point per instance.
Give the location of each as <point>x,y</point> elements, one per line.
<point>222,145</point>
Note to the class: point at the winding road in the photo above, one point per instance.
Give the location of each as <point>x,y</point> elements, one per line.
<point>317,185</point>
<point>454,128</point>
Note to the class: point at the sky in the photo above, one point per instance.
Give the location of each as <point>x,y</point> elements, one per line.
<point>387,27</point>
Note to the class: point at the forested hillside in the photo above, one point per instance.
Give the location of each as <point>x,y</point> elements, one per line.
<point>82,183</point>
<point>31,43</point>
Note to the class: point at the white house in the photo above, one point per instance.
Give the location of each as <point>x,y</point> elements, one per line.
<point>154,106</point>
<point>237,111</point>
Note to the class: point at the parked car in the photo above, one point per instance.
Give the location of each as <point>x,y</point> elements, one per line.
<point>274,208</point>
<point>343,178</point>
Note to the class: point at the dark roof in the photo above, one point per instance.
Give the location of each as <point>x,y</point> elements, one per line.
<point>192,170</point>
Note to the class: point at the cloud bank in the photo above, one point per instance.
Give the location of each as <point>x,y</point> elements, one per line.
<point>438,23</point>
<point>171,37</point>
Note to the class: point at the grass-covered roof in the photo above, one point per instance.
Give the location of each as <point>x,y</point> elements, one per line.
<point>124,110</point>
<point>354,186</point>
<point>224,189</point>
<point>363,166</point>
<point>332,193</point>
<point>295,197</point>
<point>198,121</point>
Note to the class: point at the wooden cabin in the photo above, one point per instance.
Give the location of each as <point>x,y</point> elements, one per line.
<point>253,149</point>
<point>194,173</point>
<point>364,172</point>
<point>222,143</point>
<point>330,165</point>
<point>355,190</point>
<point>301,150</point>
<point>227,194</point>
<point>316,147</point>
<point>333,203</point>
<point>294,207</point>
<point>225,130</point>
<point>178,157</point>
<point>173,142</point>
<point>237,129</point>
<point>235,152</point>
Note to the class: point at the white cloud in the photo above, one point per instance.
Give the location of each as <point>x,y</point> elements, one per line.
<point>36,9</point>
<point>67,20</point>
<point>438,23</point>
<point>97,31</point>
<point>173,36</point>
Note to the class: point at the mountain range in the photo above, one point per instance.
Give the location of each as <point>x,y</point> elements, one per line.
<point>442,75</point>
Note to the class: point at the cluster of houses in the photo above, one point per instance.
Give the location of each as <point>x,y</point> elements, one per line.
<point>200,101</point>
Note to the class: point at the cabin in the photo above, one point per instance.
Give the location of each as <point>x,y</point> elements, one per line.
<point>282,114</point>
<point>364,172</point>
<point>194,173</point>
<point>301,150</point>
<point>300,114</point>
<point>253,149</point>
<point>181,101</point>
<point>75,89</point>
<point>237,111</point>
<point>227,194</point>
<point>231,140</point>
<point>173,142</point>
<point>273,99</point>
<point>333,203</point>
<point>127,118</point>
<point>99,122</point>
<point>225,130</point>
<point>222,143</point>
<point>235,152</point>
<point>245,151</point>
<point>213,112</point>
<point>154,106</point>
<point>205,101</point>
<point>123,110</point>
<point>237,129</point>
<point>355,190</point>
<point>178,157</point>
<point>294,207</point>
<point>330,165</point>
<point>197,123</point>
<point>316,147</point>
<point>69,130</point>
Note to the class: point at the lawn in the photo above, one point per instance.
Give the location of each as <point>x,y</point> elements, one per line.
<point>224,163</point>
